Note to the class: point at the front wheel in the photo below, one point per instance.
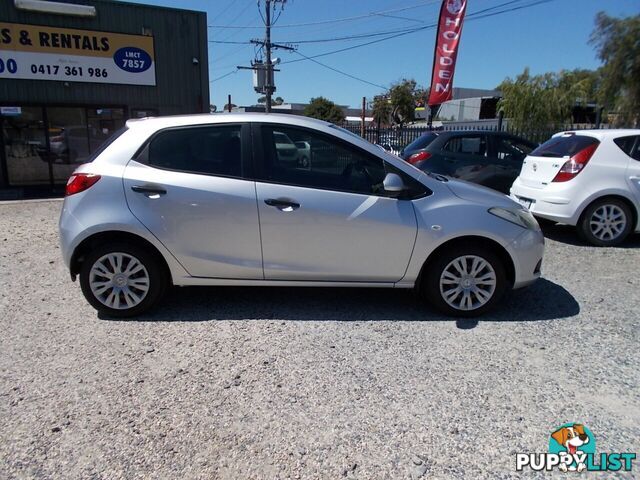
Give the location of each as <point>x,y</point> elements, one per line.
<point>606,222</point>
<point>465,281</point>
<point>122,280</point>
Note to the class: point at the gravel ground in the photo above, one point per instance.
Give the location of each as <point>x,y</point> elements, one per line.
<point>308,383</point>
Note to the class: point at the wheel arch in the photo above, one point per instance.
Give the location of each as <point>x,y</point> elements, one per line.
<point>471,240</point>
<point>634,211</point>
<point>101,238</point>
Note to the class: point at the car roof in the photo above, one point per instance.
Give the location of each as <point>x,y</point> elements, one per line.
<point>603,134</point>
<point>219,118</point>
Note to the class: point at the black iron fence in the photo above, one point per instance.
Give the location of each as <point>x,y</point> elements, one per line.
<point>397,138</point>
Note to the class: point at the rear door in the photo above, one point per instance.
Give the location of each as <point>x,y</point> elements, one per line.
<point>631,146</point>
<point>190,188</point>
<point>543,164</point>
<point>465,157</point>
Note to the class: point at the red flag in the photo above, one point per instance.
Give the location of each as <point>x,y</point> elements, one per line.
<point>444,58</point>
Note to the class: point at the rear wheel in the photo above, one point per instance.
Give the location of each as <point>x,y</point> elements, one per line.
<point>465,281</point>
<point>606,222</point>
<point>122,280</point>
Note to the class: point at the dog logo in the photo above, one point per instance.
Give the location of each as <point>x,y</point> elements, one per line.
<point>454,6</point>
<point>573,438</point>
<point>572,448</point>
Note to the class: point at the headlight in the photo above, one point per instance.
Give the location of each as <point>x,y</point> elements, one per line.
<point>518,216</point>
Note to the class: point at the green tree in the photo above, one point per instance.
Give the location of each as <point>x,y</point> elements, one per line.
<point>275,101</point>
<point>402,96</point>
<point>543,101</point>
<point>382,109</point>
<point>323,109</point>
<point>617,41</point>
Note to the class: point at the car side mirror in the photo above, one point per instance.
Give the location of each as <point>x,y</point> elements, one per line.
<point>393,184</point>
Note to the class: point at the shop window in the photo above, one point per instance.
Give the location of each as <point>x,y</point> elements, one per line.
<point>24,140</point>
<point>68,140</point>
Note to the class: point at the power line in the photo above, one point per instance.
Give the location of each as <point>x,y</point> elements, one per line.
<point>230,42</point>
<point>224,10</point>
<point>341,72</point>
<point>336,20</point>
<point>223,76</point>
<point>470,17</point>
<point>485,13</point>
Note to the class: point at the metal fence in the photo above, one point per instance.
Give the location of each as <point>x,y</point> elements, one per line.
<point>398,138</point>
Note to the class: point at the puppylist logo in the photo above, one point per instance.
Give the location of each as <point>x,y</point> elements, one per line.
<point>572,448</point>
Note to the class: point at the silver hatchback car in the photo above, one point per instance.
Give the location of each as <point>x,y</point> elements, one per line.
<point>208,200</point>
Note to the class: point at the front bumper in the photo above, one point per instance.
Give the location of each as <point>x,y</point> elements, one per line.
<point>527,251</point>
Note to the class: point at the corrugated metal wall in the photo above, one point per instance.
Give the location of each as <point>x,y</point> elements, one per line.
<point>179,35</point>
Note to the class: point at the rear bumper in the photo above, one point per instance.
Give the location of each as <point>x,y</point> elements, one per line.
<point>556,206</point>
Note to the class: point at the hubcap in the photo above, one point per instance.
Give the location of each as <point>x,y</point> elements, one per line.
<point>468,282</point>
<point>608,222</point>
<point>119,280</point>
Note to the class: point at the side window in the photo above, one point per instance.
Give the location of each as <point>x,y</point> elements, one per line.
<point>302,157</point>
<point>511,149</point>
<point>629,145</point>
<point>211,150</point>
<point>467,145</point>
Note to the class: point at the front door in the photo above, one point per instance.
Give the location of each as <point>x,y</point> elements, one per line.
<point>328,219</point>
<point>188,188</point>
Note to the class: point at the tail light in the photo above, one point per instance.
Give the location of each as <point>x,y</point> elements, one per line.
<point>419,157</point>
<point>575,164</point>
<point>79,182</point>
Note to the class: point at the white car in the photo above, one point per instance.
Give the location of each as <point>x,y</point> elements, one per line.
<point>589,179</point>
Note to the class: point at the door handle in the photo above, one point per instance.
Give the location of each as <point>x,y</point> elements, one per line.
<point>149,190</point>
<point>282,204</point>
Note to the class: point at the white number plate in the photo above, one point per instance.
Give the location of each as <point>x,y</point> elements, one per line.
<point>525,202</point>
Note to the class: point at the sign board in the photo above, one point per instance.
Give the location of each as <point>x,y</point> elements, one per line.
<point>50,53</point>
<point>10,111</point>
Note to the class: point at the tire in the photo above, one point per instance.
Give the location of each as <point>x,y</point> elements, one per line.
<point>99,267</point>
<point>304,162</point>
<point>606,222</point>
<point>492,271</point>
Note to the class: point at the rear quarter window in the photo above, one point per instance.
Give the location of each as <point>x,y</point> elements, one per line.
<point>564,146</point>
<point>629,145</point>
<point>106,143</point>
<point>421,142</point>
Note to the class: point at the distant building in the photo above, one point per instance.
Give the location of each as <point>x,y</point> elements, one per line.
<point>72,73</point>
<point>467,104</point>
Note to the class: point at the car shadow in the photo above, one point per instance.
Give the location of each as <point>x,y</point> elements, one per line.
<point>544,300</point>
<point>567,234</point>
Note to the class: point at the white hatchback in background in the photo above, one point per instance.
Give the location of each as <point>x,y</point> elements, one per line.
<point>589,179</point>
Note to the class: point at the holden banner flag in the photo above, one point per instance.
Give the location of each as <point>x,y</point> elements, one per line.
<point>446,50</point>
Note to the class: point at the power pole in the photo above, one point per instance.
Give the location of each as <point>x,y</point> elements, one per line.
<point>364,111</point>
<point>267,67</point>
<point>268,88</point>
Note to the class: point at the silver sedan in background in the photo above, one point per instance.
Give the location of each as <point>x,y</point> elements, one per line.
<point>209,200</point>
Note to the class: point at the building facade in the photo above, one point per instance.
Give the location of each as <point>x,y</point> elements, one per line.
<point>70,78</point>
